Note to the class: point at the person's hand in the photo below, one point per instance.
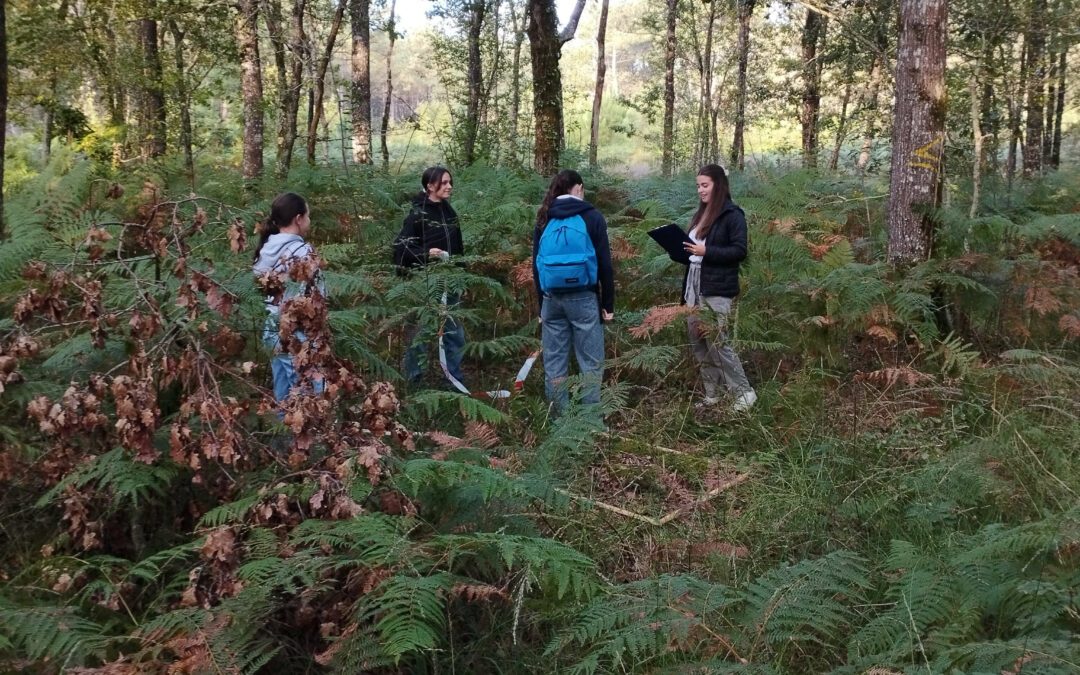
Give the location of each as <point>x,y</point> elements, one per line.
<point>607,316</point>
<point>436,253</point>
<point>694,249</point>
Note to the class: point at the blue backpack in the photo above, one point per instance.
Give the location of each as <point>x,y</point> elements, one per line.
<point>566,258</point>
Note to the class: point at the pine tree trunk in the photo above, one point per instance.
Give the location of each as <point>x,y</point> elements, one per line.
<point>742,49</point>
<point>291,85</point>
<point>360,93</point>
<point>391,34</point>
<point>153,103</point>
<point>1016,98</point>
<point>813,32</point>
<point>515,76</point>
<point>247,38</point>
<point>1055,152</point>
<point>707,127</point>
<point>474,77</point>
<point>183,100</point>
<point>544,47</point>
<point>918,137</point>
<point>977,135</point>
<point>1035,42</point>
<point>320,83</point>
<point>1051,102</point>
<point>668,143</point>
<point>3,110</point>
<point>598,91</point>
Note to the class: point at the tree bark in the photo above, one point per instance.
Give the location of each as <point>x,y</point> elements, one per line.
<point>1051,102</point>
<point>918,137</point>
<point>977,135</point>
<point>360,93</point>
<point>742,48</point>
<point>598,91</point>
<point>291,87</point>
<point>247,38</point>
<point>1035,42</point>
<point>474,77</point>
<point>515,76</point>
<point>813,32</point>
<point>391,34</point>
<point>1016,98</point>
<point>668,142</point>
<point>183,101</point>
<point>1055,152</point>
<point>708,109</point>
<point>153,103</point>
<point>869,110</point>
<point>320,83</point>
<point>3,109</point>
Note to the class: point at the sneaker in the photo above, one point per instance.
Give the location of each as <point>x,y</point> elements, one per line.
<point>745,401</point>
<point>707,402</point>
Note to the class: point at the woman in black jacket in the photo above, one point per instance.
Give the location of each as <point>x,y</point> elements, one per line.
<point>718,231</point>
<point>431,233</point>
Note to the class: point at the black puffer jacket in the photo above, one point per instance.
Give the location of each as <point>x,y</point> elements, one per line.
<point>429,225</point>
<point>725,248</point>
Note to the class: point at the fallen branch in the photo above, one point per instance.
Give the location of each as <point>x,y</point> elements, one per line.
<point>664,520</point>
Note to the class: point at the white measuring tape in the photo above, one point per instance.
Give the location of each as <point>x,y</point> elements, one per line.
<point>519,380</point>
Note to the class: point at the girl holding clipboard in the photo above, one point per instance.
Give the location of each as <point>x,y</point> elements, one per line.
<point>717,246</point>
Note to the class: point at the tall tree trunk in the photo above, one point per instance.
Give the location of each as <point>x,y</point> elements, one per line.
<point>1016,98</point>
<point>1055,152</point>
<point>153,103</point>
<point>3,109</point>
<point>977,135</point>
<point>813,32</point>
<point>247,38</point>
<point>320,82</point>
<point>707,107</point>
<point>360,93</point>
<point>918,137</point>
<point>545,47</point>
<point>668,143</point>
<point>598,91</point>
<point>391,34</point>
<point>869,110</point>
<point>841,126</point>
<point>515,76</point>
<point>183,101</point>
<point>474,77</point>
<point>1035,42</point>
<point>742,49</point>
<point>291,87</point>
<point>1051,102</point>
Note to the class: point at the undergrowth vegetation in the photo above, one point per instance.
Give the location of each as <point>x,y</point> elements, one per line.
<point>903,498</point>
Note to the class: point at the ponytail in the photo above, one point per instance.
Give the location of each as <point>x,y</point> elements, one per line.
<point>560,185</point>
<point>283,210</point>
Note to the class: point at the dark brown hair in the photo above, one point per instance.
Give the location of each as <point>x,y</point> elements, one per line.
<point>707,212</point>
<point>283,210</point>
<point>560,185</point>
<point>433,176</point>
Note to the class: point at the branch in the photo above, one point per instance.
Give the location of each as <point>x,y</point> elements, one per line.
<point>567,33</point>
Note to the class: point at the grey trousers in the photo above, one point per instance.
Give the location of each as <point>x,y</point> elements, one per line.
<point>718,360</point>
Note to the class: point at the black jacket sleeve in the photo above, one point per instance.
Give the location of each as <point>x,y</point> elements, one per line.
<point>597,228</point>
<point>735,250</point>
<point>410,249</point>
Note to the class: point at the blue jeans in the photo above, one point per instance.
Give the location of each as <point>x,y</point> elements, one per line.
<point>572,319</point>
<point>284,374</point>
<point>416,355</point>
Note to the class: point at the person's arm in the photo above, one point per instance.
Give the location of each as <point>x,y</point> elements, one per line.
<point>735,251</point>
<point>605,269</point>
<point>409,248</point>
<point>536,272</point>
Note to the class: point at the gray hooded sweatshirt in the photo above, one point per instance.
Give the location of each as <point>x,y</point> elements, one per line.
<point>275,256</point>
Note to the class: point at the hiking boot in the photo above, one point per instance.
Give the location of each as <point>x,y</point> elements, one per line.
<point>707,402</point>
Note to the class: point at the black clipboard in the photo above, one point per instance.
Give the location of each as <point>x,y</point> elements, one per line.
<point>671,237</point>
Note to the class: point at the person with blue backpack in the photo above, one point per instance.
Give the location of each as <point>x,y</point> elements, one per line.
<point>575,281</point>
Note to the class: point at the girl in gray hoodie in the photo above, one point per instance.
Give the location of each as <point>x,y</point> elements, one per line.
<point>281,243</point>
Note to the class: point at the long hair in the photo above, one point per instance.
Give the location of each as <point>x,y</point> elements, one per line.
<point>432,175</point>
<point>560,185</point>
<point>708,211</point>
<point>283,210</point>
